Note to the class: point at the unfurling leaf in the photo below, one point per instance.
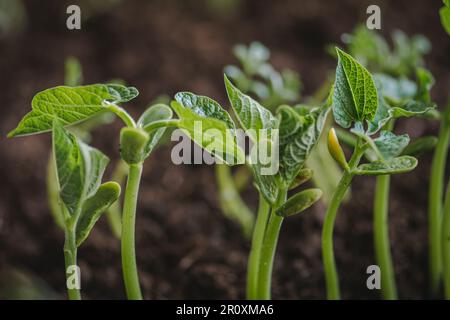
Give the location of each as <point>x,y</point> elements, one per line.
<point>209,131</point>
<point>355,94</point>
<point>79,168</point>
<point>93,208</point>
<point>303,176</point>
<point>298,134</point>
<point>391,145</point>
<point>157,112</point>
<point>69,105</point>
<point>133,143</point>
<point>401,164</point>
<point>335,149</point>
<point>251,115</point>
<point>420,146</point>
<point>299,202</point>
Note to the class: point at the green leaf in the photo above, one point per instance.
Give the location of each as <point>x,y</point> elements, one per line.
<point>210,133</point>
<point>251,115</point>
<point>69,105</point>
<point>204,106</point>
<point>411,109</point>
<point>444,13</point>
<point>79,168</point>
<point>157,112</point>
<point>297,137</point>
<point>299,202</point>
<point>93,208</point>
<point>401,164</point>
<point>391,145</point>
<point>420,146</point>
<point>355,94</point>
<point>122,93</point>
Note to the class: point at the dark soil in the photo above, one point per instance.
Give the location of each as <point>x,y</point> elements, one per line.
<point>186,248</point>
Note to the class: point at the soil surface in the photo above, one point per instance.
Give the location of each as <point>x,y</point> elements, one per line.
<point>186,248</point>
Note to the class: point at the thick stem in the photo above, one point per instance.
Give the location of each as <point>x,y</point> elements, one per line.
<point>435,198</point>
<point>446,243</point>
<point>381,234</point>
<point>70,257</point>
<point>130,273</point>
<point>231,202</point>
<point>268,250</point>
<point>255,251</point>
<point>331,276</point>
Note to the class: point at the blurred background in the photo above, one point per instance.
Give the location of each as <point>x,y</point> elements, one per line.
<point>186,248</point>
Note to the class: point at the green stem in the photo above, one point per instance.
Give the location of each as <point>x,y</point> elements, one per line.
<point>231,202</point>
<point>70,257</point>
<point>435,198</point>
<point>53,193</point>
<point>121,113</point>
<point>268,250</point>
<point>331,276</point>
<point>114,214</point>
<point>381,234</point>
<point>446,243</point>
<point>255,251</point>
<point>130,273</point>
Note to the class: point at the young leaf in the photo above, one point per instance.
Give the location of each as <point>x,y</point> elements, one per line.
<point>212,134</point>
<point>157,112</point>
<point>395,90</point>
<point>133,143</point>
<point>250,113</point>
<point>299,202</point>
<point>93,208</point>
<point>204,106</point>
<point>69,105</point>
<point>297,136</point>
<point>401,164</point>
<point>390,145</point>
<point>355,94</point>
<point>266,184</point>
<point>79,168</point>
<point>411,109</point>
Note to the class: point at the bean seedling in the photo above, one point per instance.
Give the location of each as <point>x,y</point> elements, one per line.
<point>71,105</point>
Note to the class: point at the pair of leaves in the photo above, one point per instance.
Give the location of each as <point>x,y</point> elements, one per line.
<point>79,170</point>
<point>70,105</point>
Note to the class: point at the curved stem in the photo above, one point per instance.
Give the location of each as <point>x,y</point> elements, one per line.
<point>446,243</point>
<point>121,113</point>
<point>381,234</point>
<point>331,276</point>
<point>130,273</point>
<point>231,202</point>
<point>255,251</point>
<point>435,198</point>
<point>161,124</point>
<point>268,249</point>
<point>70,258</point>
